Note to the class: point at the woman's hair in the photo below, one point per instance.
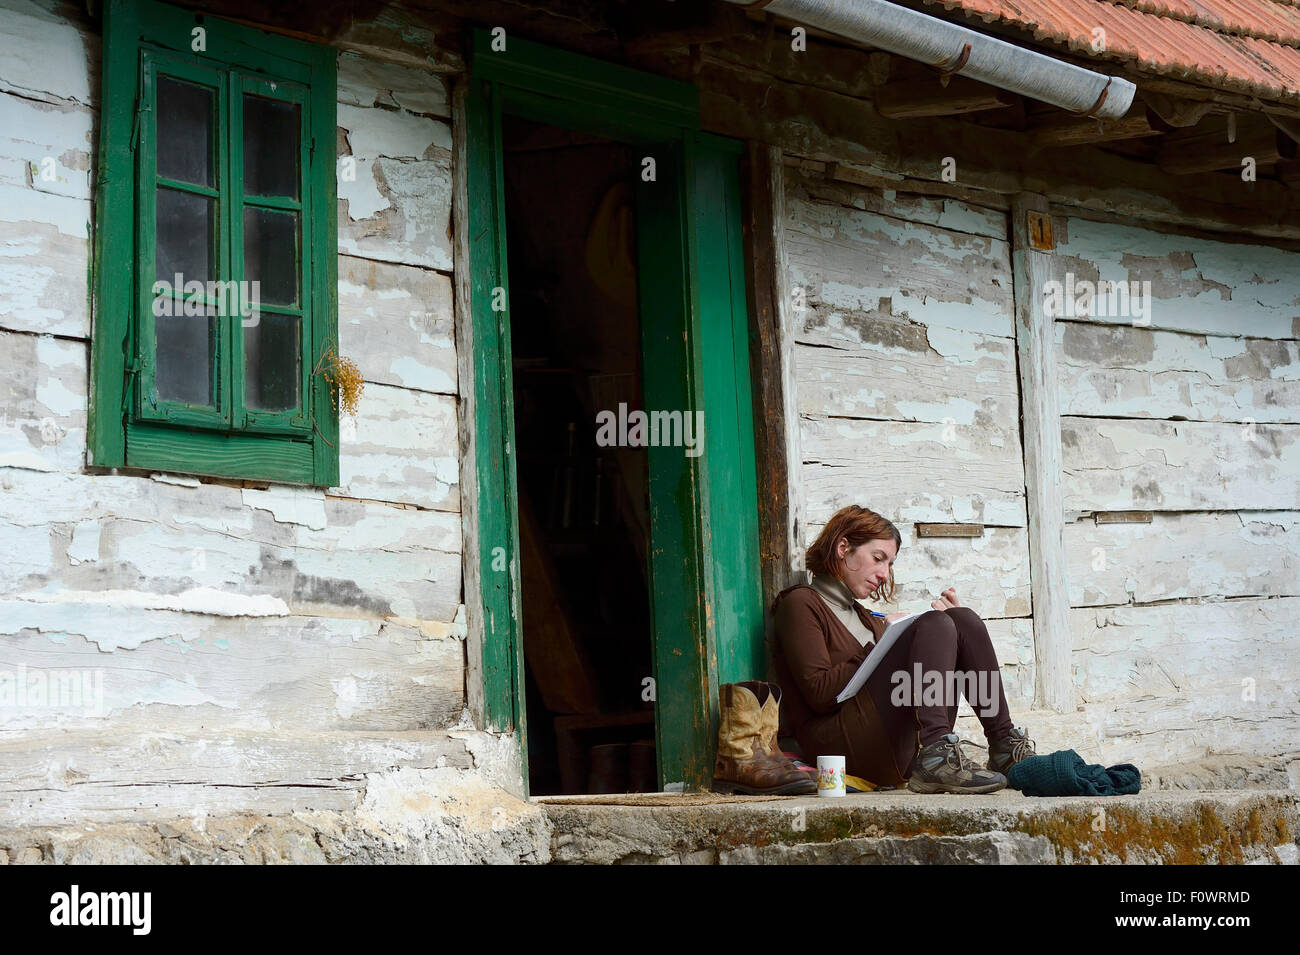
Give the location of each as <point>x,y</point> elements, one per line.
<point>858,525</point>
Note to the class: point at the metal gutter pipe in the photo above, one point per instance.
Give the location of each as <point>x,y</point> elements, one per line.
<point>957,50</point>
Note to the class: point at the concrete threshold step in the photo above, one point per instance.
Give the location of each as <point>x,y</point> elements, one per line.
<point>900,827</point>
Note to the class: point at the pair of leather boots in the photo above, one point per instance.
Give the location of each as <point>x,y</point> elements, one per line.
<point>749,759</point>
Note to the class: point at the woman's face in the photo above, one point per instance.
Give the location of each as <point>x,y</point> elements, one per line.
<point>865,568</point>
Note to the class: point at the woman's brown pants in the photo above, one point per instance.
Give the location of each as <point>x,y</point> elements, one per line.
<point>903,707</point>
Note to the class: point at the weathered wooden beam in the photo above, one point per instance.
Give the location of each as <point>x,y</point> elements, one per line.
<point>651,28</point>
<point>125,771</point>
<point>819,125</point>
<point>1287,171</point>
<point>1217,465</point>
<point>376,29</point>
<point>1146,562</point>
<point>466,425</point>
<point>1068,131</point>
<point>776,435</point>
<point>1174,111</point>
<point>1187,154</point>
<point>913,99</point>
<point>1287,124</point>
<point>847,172</point>
<point>720,25</point>
<point>677,40</point>
<point>1041,418</point>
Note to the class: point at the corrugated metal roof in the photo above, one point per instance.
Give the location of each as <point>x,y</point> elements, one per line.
<point>1246,46</point>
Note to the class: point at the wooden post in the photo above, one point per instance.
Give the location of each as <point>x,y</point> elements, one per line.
<point>776,421</point>
<point>1031,261</point>
<point>776,418</point>
<point>464,323</point>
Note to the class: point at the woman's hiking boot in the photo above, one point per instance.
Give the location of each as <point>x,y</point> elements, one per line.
<point>942,767</point>
<point>1011,749</point>
<point>749,760</point>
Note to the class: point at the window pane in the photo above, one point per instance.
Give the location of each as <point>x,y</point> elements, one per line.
<point>271,356</point>
<point>184,131</point>
<point>184,237</point>
<point>271,254</point>
<point>186,350</point>
<point>270,147</point>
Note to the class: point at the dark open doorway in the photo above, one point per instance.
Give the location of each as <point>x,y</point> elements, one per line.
<point>584,519</point>
<point>704,593</point>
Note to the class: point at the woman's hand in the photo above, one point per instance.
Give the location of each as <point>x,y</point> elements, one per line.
<point>947,600</point>
<point>891,617</point>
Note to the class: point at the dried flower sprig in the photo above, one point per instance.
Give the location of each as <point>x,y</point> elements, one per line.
<point>344,377</point>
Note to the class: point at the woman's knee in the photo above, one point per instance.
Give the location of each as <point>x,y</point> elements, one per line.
<point>938,623</point>
<point>964,617</point>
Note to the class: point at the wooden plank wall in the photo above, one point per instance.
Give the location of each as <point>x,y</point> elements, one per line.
<point>251,640</point>
<point>907,390</point>
<point>907,393</point>
<point>816,106</point>
<point>258,644</point>
<point>902,287</point>
<point>1184,626</point>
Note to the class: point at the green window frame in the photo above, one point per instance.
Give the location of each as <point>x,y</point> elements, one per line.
<point>150,413</point>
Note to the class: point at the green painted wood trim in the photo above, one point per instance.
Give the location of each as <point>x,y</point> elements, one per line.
<point>681,590</point>
<point>605,91</point>
<point>235,45</point>
<point>114,225</point>
<point>295,420</point>
<point>494,424</point>
<point>729,466</point>
<point>147,405</point>
<point>242,456</point>
<point>132,27</point>
<point>624,127</point>
<point>321,324</point>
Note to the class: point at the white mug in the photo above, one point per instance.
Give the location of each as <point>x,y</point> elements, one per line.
<point>830,776</point>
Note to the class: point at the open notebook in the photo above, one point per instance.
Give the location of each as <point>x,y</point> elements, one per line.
<point>868,666</point>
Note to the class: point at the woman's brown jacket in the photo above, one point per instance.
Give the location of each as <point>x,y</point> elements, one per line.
<point>815,656</point>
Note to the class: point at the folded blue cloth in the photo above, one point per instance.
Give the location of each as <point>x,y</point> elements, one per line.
<point>1064,773</point>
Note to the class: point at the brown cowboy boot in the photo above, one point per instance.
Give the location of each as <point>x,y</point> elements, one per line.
<point>748,758</point>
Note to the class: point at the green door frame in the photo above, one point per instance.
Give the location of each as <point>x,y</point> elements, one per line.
<point>704,564</point>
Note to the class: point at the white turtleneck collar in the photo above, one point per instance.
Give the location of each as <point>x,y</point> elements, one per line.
<point>844,605</point>
<point>835,591</point>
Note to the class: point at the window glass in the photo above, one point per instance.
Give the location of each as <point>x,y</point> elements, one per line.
<point>270,147</point>
<point>186,350</point>
<point>271,254</point>
<point>271,362</point>
<point>183,236</point>
<point>185,131</point>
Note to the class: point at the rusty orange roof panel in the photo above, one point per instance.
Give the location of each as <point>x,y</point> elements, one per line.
<point>1246,46</point>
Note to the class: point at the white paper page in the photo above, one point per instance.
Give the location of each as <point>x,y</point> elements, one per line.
<point>868,666</point>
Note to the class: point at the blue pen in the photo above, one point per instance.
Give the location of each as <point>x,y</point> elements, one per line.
<point>874,614</point>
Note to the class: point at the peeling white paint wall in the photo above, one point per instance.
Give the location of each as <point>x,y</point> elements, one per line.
<point>274,647</point>
<point>905,369</point>
<point>909,404</point>
<point>1184,627</point>
<point>263,644</point>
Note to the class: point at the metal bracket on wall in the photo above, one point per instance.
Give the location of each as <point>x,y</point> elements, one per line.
<point>1039,228</point>
<point>1122,517</point>
<point>949,530</point>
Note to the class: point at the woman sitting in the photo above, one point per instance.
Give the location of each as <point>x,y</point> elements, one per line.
<point>892,730</point>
